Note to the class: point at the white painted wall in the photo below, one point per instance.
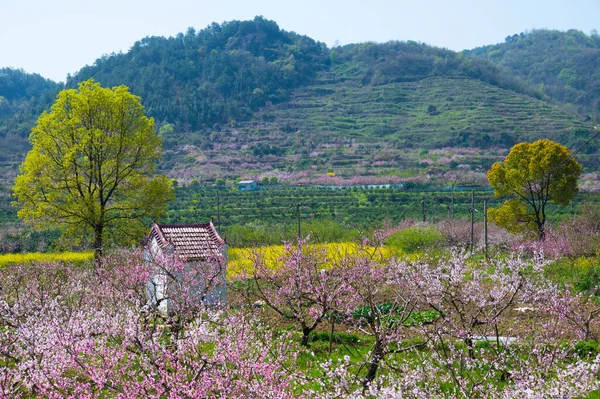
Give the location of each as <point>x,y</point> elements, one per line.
<point>157,288</point>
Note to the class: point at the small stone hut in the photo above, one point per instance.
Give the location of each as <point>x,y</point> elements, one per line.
<point>195,245</point>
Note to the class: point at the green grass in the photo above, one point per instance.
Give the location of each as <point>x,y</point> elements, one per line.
<point>581,274</point>
<point>358,346</point>
<point>593,395</point>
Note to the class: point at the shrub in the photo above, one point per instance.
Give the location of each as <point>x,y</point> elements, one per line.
<point>588,276</point>
<point>586,348</point>
<point>415,239</point>
<point>458,232</point>
<point>338,337</point>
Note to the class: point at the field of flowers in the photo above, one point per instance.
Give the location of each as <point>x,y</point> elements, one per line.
<point>38,257</point>
<point>404,313</point>
<point>242,260</point>
<point>360,324</point>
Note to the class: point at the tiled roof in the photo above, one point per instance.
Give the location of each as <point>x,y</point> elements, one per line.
<point>191,241</point>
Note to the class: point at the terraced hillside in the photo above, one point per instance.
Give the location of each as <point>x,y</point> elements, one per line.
<point>564,66</point>
<point>433,112</point>
<point>425,128</point>
<point>8,214</point>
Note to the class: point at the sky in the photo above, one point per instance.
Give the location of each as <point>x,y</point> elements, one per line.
<point>55,38</point>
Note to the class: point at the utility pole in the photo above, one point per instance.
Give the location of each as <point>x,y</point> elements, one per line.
<point>424,214</point>
<point>485,229</point>
<point>453,187</point>
<point>472,218</point>
<point>298,213</point>
<point>219,210</point>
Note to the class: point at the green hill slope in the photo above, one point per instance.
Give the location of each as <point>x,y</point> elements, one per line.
<point>564,66</point>
<point>424,128</point>
<point>221,73</point>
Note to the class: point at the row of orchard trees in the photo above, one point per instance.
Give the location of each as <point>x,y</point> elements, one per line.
<point>73,331</point>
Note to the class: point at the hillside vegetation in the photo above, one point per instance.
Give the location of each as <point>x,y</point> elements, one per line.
<point>23,97</point>
<point>564,66</point>
<point>378,131</point>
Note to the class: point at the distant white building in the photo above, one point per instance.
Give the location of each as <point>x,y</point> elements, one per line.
<point>247,185</point>
<point>201,249</point>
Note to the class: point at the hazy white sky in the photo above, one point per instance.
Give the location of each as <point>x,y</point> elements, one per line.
<point>57,37</point>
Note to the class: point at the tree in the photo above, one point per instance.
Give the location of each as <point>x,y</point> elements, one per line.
<point>300,288</point>
<point>219,182</point>
<point>64,337</point>
<point>90,169</point>
<point>533,174</point>
<point>371,302</point>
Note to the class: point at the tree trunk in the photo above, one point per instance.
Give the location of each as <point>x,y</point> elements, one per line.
<point>98,244</point>
<point>541,231</point>
<point>374,365</point>
<point>305,333</point>
<point>469,343</point>
<point>331,335</point>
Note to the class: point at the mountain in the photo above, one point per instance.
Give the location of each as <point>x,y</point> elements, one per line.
<point>248,99</point>
<point>227,72</point>
<point>564,66</point>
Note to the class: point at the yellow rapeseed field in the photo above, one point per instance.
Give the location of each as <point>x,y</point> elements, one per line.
<point>241,260</point>
<point>39,257</point>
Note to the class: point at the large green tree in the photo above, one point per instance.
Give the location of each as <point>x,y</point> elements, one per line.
<point>91,168</point>
<point>533,174</point>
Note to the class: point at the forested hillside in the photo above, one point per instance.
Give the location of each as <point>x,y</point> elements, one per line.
<point>393,62</point>
<point>23,97</point>
<point>564,66</point>
<point>248,99</point>
<point>217,75</point>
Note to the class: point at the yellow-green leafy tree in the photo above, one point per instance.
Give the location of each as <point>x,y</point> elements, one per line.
<point>532,175</point>
<point>91,168</point>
